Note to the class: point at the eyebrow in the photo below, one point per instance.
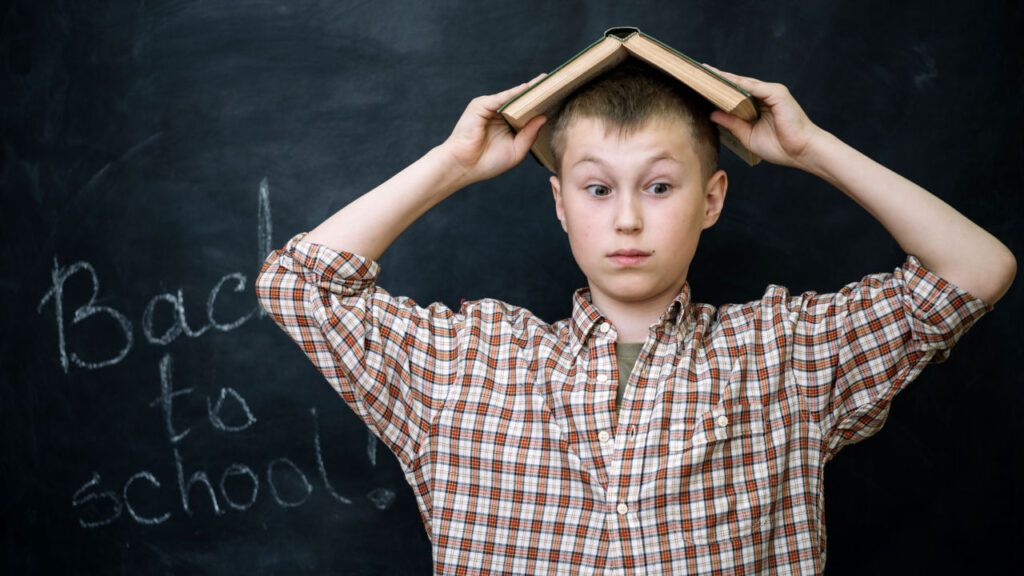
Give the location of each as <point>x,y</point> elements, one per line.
<point>600,162</point>
<point>591,159</point>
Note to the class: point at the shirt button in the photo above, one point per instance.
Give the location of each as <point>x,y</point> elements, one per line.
<point>722,421</point>
<point>604,436</point>
<point>605,328</point>
<point>622,508</point>
<point>602,378</point>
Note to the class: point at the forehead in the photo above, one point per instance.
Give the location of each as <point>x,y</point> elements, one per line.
<point>594,140</point>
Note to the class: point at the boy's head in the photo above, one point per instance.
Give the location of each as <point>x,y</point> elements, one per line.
<point>637,182</point>
<point>629,96</point>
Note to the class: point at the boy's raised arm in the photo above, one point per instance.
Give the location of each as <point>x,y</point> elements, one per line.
<point>944,240</point>
<point>481,146</point>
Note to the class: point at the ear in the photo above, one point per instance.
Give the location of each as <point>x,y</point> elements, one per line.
<point>556,187</point>
<point>714,198</point>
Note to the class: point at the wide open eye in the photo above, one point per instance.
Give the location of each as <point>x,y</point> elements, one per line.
<point>659,188</point>
<point>599,190</point>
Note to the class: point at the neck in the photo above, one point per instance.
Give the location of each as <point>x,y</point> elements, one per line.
<point>632,320</point>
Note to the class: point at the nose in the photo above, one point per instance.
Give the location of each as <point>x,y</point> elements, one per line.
<point>628,216</point>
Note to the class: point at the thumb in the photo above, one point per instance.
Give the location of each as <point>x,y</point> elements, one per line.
<point>739,128</point>
<point>525,138</point>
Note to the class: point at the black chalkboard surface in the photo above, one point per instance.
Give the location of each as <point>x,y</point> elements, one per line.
<point>154,152</point>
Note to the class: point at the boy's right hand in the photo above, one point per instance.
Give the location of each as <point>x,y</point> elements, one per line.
<point>482,145</point>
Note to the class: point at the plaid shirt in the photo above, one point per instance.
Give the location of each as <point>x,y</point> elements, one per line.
<point>506,427</point>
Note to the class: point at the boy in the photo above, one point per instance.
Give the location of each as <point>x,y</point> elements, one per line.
<point>525,455</point>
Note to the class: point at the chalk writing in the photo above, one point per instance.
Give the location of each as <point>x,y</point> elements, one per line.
<point>147,476</point>
<point>59,276</point>
<point>239,279</point>
<point>320,461</point>
<point>105,506</point>
<point>215,410</point>
<point>239,470</point>
<point>185,488</point>
<point>371,449</point>
<point>264,228</point>
<point>382,498</point>
<point>237,488</point>
<point>273,485</point>
<point>175,301</point>
<point>164,400</point>
<point>81,498</point>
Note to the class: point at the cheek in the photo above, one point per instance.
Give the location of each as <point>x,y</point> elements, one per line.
<point>579,240</point>
<point>585,243</point>
<point>682,219</point>
<point>579,225</point>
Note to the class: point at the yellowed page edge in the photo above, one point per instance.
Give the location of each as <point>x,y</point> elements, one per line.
<point>564,80</point>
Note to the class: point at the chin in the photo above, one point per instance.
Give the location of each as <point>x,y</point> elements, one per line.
<point>636,294</point>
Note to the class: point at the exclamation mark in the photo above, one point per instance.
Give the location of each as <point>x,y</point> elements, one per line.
<point>320,461</point>
<point>264,229</point>
<point>382,498</point>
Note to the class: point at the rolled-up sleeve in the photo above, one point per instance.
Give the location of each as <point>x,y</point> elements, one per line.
<point>855,349</point>
<point>391,360</point>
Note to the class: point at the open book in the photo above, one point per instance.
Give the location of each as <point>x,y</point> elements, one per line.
<point>546,96</point>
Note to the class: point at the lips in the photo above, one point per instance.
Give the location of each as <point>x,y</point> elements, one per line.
<point>629,257</point>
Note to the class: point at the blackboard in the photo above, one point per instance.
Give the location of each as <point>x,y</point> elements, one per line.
<point>154,151</point>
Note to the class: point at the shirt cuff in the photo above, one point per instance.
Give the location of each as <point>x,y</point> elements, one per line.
<point>940,311</point>
<point>342,273</point>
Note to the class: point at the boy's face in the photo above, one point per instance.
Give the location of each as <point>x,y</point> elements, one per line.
<point>634,207</point>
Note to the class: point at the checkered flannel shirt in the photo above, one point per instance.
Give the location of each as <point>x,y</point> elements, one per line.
<point>506,427</point>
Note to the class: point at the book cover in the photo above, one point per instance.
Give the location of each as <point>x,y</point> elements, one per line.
<point>618,44</point>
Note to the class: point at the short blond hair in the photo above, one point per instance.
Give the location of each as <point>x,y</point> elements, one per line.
<point>627,97</point>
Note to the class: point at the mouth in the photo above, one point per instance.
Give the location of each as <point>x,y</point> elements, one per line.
<point>629,257</point>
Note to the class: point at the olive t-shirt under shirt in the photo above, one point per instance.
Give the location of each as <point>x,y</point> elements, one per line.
<point>626,354</point>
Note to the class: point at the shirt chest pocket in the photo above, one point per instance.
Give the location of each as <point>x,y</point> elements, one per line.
<point>716,479</point>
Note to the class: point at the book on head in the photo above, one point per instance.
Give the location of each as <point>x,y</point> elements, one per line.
<point>618,44</point>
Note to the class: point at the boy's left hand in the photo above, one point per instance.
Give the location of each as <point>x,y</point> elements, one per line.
<point>945,241</point>
<point>782,135</point>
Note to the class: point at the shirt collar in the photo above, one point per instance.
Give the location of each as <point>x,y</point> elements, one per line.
<point>585,316</point>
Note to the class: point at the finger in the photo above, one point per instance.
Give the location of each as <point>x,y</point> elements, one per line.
<point>503,96</point>
<point>757,88</point>
<point>722,73</point>
<point>710,67</point>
